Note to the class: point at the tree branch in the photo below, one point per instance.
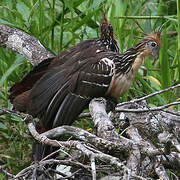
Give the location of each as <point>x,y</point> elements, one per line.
<point>147,109</point>
<point>24,44</point>
<point>148,96</point>
<point>103,125</point>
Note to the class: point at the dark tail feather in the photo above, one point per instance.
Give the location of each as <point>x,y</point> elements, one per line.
<point>21,102</point>
<point>29,80</point>
<point>66,114</point>
<point>70,108</point>
<point>41,151</point>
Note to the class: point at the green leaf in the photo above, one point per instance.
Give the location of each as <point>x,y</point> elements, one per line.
<point>97,3</point>
<point>2,21</point>
<point>164,64</point>
<point>2,126</point>
<point>23,10</point>
<point>18,61</point>
<point>1,176</point>
<point>84,20</point>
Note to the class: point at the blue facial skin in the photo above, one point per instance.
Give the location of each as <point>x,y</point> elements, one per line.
<point>153,46</point>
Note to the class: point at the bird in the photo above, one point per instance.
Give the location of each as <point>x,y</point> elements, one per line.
<point>65,90</point>
<point>21,92</point>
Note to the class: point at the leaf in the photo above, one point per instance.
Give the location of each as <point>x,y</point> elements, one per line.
<point>5,135</point>
<point>84,20</point>
<point>154,80</point>
<point>164,64</point>
<point>69,4</point>
<point>23,10</point>
<point>2,96</point>
<point>18,61</point>
<point>2,126</point>
<point>2,21</point>
<point>1,176</point>
<point>97,3</point>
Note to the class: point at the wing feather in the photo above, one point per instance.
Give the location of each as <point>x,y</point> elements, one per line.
<point>43,91</point>
<point>61,94</point>
<point>70,108</point>
<point>30,79</point>
<point>54,104</point>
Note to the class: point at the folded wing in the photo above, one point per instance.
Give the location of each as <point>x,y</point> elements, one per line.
<point>62,93</point>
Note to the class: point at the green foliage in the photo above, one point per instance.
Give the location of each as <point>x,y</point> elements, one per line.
<point>60,24</point>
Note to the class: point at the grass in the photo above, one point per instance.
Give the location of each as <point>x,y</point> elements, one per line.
<point>61,24</point>
<point>178,29</point>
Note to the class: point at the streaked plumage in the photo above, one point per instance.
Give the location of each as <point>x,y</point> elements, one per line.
<point>64,91</point>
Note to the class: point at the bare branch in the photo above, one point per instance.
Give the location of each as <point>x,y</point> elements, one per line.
<point>103,125</point>
<point>134,158</point>
<point>160,171</point>
<point>148,96</point>
<point>24,44</point>
<point>147,110</point>
<point>93,167</point>
<point>122,144</point>
<point>86,150</point>
<point>12,112</point>
<point>7,174</point>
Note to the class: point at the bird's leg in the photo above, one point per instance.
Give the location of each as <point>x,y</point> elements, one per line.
<point>111,104</point>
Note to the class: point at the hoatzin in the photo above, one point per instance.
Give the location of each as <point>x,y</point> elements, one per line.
<point>59,89</point>
<point>20,92</point>
<point>106,42</point>
<point>65,89</point>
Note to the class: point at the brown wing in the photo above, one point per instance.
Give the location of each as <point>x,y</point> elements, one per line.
<point>38,71</point>
<point>61,94</point>
<point>106,42</point>
<point>29,80</point>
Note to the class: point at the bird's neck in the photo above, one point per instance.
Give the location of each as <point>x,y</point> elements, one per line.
<point>138,61</point>
<point>110,43</point>
<point>132,59</point>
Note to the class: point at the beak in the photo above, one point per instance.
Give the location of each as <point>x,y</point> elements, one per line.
<point>155,53</point>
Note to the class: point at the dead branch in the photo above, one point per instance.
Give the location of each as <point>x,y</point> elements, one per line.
<point>147,109</point>
<point>140,146</point>
<point>148,96</point>
<point>6,173</point>
<point>85,149</point>
<point>24,44</point>
<point>104,126</point>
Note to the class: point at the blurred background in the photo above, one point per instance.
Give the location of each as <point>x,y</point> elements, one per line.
<point>60,24</point>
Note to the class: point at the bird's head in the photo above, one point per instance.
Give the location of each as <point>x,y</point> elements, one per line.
<point>151,45</point>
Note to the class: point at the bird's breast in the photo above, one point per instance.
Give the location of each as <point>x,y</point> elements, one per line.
<point>120,84</point>
<point>122,81</point>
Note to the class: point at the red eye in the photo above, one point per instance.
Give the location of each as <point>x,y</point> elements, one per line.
<point>153,44</point>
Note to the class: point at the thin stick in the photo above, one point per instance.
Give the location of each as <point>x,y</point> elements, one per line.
<point>148,96</point>
<point>149,109</point>
<point>146,17</point>
<point>93,167</point>
<point>6,173</point>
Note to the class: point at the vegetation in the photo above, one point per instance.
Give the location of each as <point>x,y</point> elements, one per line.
<point>60,24</point>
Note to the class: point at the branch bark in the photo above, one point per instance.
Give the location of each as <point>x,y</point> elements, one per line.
<point>24,44</point>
